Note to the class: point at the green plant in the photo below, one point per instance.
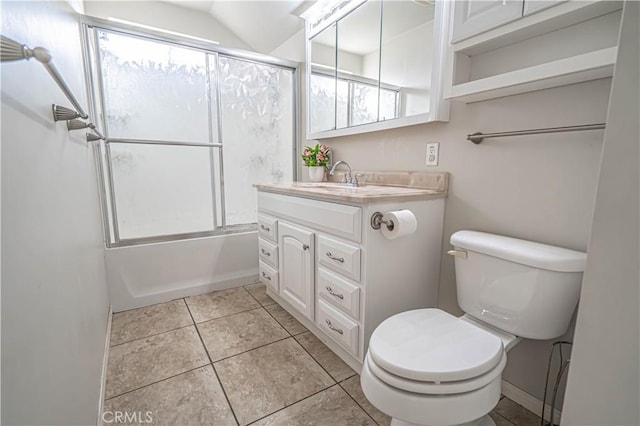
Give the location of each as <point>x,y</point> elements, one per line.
<point>316,156</point>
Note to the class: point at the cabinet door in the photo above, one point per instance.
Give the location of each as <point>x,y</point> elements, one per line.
<point>533,6</point>
<point>297,267</point>
<point>471,17</point>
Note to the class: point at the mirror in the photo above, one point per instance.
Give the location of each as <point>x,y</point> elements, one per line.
<point>322,81</point>
<point>372,66</point>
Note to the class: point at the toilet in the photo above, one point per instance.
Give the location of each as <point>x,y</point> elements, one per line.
<point>428,367</point>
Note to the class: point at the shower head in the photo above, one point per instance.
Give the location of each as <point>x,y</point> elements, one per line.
<point>79,124</point>
<point>91,137</point>
<point>11,50</point>
<point>61,113</point>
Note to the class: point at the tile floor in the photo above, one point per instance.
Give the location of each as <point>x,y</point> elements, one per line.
<point>235,357</point>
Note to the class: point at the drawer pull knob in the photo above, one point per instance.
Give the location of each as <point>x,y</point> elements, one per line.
<point>305,247</point>
<point>266,276</point>
<point>332,257</point>
<point>337,330</point>
<point>330,290</point>
<point>266,228</point>
<point>266,253</point>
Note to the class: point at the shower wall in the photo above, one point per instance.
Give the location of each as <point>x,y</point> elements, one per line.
<point>54,293</point>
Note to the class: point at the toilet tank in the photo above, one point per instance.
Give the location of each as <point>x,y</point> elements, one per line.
<point>524,288</point>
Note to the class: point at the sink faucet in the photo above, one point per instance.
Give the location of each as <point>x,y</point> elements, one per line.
<point>347,178</point>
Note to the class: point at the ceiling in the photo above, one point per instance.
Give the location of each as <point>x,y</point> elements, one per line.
<point>263,25</point>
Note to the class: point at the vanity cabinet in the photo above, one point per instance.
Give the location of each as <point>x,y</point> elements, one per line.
<point>337,275</point>
<point>297,266</point>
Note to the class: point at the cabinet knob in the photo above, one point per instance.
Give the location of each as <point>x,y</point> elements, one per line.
<point>337,330</point>
<point>305,247</point>
<point>332,257</point>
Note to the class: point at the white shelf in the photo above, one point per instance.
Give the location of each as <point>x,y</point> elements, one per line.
<point>575,69</point>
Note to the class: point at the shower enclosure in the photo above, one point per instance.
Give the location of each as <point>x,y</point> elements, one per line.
<point>189,128</point>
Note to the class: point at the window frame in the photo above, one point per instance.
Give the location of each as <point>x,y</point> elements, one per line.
<point>89,28</point>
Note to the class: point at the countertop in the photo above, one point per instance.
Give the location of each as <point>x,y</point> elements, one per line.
<point>388,186</point>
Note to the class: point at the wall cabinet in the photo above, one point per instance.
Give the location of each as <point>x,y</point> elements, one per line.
<point>471,17</point>
<point>506,48</point>
<point>340,277</point>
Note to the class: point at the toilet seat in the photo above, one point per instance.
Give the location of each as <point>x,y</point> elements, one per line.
<point>431,388</point>
<point>429,348</point>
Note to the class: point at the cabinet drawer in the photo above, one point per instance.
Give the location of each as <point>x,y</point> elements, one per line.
<point>267,227</point>
<point>340,257</point>
<point>339,292</point>
<point>269,276</point>
<point>338,219</point>
<point>268,252</point>
<point>338,327</point>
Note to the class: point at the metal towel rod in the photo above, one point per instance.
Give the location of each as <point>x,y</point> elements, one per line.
<point>11,50</point>
<point>479,137</point>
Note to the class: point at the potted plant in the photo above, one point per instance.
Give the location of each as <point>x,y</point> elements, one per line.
<point>316,159</point>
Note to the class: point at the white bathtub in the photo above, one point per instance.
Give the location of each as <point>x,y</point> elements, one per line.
<point>154,273</point>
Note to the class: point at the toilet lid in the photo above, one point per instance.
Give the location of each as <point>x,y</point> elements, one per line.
<point>432,345</point>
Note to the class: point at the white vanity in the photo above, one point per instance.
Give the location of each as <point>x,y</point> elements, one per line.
<point>323,262</point>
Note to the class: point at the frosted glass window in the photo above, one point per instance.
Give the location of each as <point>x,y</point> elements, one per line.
<point>257,113</point>
<point>161,189</point>
<point>388,104</point>
<point>323,102</point>
<point>153,90</point>
<point>342,104</point>
<point>364,104</point>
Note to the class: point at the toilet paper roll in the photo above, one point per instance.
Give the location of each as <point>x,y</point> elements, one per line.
<point>404,223</point>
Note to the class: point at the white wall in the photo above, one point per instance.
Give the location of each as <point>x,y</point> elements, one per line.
<point>54,295</point>
<point>167,16</point>
<point>603,385</point>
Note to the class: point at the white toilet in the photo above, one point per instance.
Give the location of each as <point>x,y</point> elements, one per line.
<point>427,367</point>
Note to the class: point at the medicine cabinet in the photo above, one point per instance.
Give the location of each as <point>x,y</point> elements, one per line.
<point>374,65</point>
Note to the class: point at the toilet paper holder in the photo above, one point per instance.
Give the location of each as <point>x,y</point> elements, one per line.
<point>377,221</point>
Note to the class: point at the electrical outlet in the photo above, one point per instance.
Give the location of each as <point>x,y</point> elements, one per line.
<point>432,154</point>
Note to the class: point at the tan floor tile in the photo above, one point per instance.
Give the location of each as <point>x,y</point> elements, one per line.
<point>143,322</point>
<point>231,335</point>
<point>220,303</point>
<point>327,408</point>
<point>285,319</point>
<point>325,356</point>
<point>516,414</point>
<point>499,420</point>
<point>259,292</point>
<point>352,386</point>
<point>145,361</point>
<point>264,380</point>
<point>190,399</point>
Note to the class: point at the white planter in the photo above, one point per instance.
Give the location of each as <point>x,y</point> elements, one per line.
<point>316,173</point>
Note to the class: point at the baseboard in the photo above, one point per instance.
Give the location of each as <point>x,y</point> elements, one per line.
<point>105,363</point>
<point>529,402</point>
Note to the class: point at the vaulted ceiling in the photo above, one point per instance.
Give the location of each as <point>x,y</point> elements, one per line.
<point>263,25</point>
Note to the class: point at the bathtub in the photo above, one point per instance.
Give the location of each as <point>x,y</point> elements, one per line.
<point>154,273</point>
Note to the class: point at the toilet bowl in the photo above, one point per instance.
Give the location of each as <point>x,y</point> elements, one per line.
<point>428,367</point>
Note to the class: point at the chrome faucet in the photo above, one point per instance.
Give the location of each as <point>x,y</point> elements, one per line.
<point>347,178</point>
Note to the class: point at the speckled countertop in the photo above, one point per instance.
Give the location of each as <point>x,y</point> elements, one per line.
<point>374,186</point>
